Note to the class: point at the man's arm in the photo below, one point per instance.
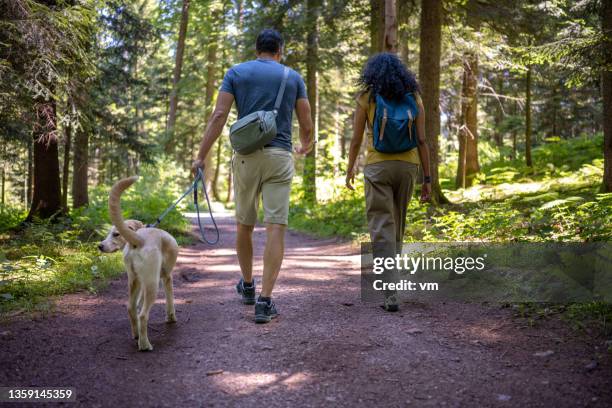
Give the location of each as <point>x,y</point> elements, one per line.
<point>302,109</point>
<point>359,123</point>
<point>423,148</point>
<point>214,127</point>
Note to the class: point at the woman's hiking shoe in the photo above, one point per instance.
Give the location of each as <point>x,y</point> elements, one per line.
<point>265,310</point>
<point>391,303</point>
<point>246,292</point>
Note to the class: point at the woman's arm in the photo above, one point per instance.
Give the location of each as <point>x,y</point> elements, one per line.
<point>423,152</point>
<point>359,122</point>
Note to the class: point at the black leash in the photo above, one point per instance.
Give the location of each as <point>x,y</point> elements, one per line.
<point>194,187</point>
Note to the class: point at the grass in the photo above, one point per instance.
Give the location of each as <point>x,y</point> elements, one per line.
<point>556,200</point>
<point>49,258</point>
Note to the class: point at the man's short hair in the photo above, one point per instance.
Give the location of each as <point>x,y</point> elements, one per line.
<point>269,41</point>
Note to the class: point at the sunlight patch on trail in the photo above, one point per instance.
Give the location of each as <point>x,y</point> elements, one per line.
<point>236,383</point>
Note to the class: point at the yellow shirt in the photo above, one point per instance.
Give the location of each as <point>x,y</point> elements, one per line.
<point>411,156</point>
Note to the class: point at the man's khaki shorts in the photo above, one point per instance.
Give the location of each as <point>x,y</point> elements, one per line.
<point>267,172</point>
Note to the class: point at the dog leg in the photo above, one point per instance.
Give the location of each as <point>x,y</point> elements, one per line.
<point>170,312</point>
<point>134,289</point>
<point>149,296</point>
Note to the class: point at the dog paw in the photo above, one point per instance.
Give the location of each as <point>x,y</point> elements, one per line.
<point>144,346</point>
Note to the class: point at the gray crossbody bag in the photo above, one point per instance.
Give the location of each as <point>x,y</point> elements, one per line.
<point>257,129</point>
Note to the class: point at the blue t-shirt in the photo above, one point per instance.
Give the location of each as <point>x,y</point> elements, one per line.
<point>255,84</point>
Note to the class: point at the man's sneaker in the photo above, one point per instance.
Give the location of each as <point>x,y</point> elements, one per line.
<point>265,311</point>
<point>247,292</point>
<point>391,303</point>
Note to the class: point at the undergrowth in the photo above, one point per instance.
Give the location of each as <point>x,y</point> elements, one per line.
<point>46,258</point>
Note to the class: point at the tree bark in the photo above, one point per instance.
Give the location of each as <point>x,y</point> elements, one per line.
<point>429,77</point>
<point>215,181</point>
<point>499,113</point>
<point>390,36</point>
<point>230,189</point>
<point>2,201</point>
<point>312,65</point>
<point>30,175</point>
<point>46,200</point>
<point>514,132</point>
<point>606,93</point>
<point>178,66</point>
<point>404,11</point>
<point>528,117</point>
<point>377,22</point>
<point>66,165</point>
<point>468,132</point>
<point>80,166</point>
<point>211,80</point>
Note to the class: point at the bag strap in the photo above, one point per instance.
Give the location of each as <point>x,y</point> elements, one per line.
<point>281,90</point>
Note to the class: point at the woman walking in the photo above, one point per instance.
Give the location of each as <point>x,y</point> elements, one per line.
<point>390,105</point>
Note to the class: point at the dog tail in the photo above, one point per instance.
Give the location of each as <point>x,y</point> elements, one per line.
<point>114,208</point>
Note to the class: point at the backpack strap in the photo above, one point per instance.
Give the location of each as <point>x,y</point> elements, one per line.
<point>281,90</point>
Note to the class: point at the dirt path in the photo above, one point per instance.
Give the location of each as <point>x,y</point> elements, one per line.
<point>326,348</point>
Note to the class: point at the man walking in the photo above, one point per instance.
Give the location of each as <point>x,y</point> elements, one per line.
<point>268,171</point>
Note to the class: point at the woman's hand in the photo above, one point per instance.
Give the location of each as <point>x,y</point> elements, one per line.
<point>426,192</point>
<point>350,178</point>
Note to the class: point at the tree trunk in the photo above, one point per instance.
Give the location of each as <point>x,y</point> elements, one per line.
<point>178,66</point>
<point>499,113</point>
<point>80,166</point>
<point>606,93</point>
<point>514,133</point>
<point>211,76</point>
<point>230,189</point>
<point>30,175</point>
<point>429,77</point>
<point>404,11</point>
<point>66,166</point>
<point>468,133</point>
<point>47,200</point>
<point>2,201</point>
<point>528,117</point>
<point>312,63</point>
<point>215,181</point>
<point>390,36</point>
<point>377,22</point>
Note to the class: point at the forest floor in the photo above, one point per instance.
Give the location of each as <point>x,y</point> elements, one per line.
<point>325,349</point>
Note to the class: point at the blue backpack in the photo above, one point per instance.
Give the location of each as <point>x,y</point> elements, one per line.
<point>394,128</point>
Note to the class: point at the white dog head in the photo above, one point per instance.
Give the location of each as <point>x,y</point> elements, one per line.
<point>114,241</point>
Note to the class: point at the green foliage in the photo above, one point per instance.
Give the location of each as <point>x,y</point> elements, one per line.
<point>343,216</point>
<point>53,257</point>
<point>159,185</point>
<point>10,217</point>
<point>558,200</point>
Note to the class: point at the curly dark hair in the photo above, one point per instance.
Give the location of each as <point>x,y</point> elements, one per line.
<point>384,74</point>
